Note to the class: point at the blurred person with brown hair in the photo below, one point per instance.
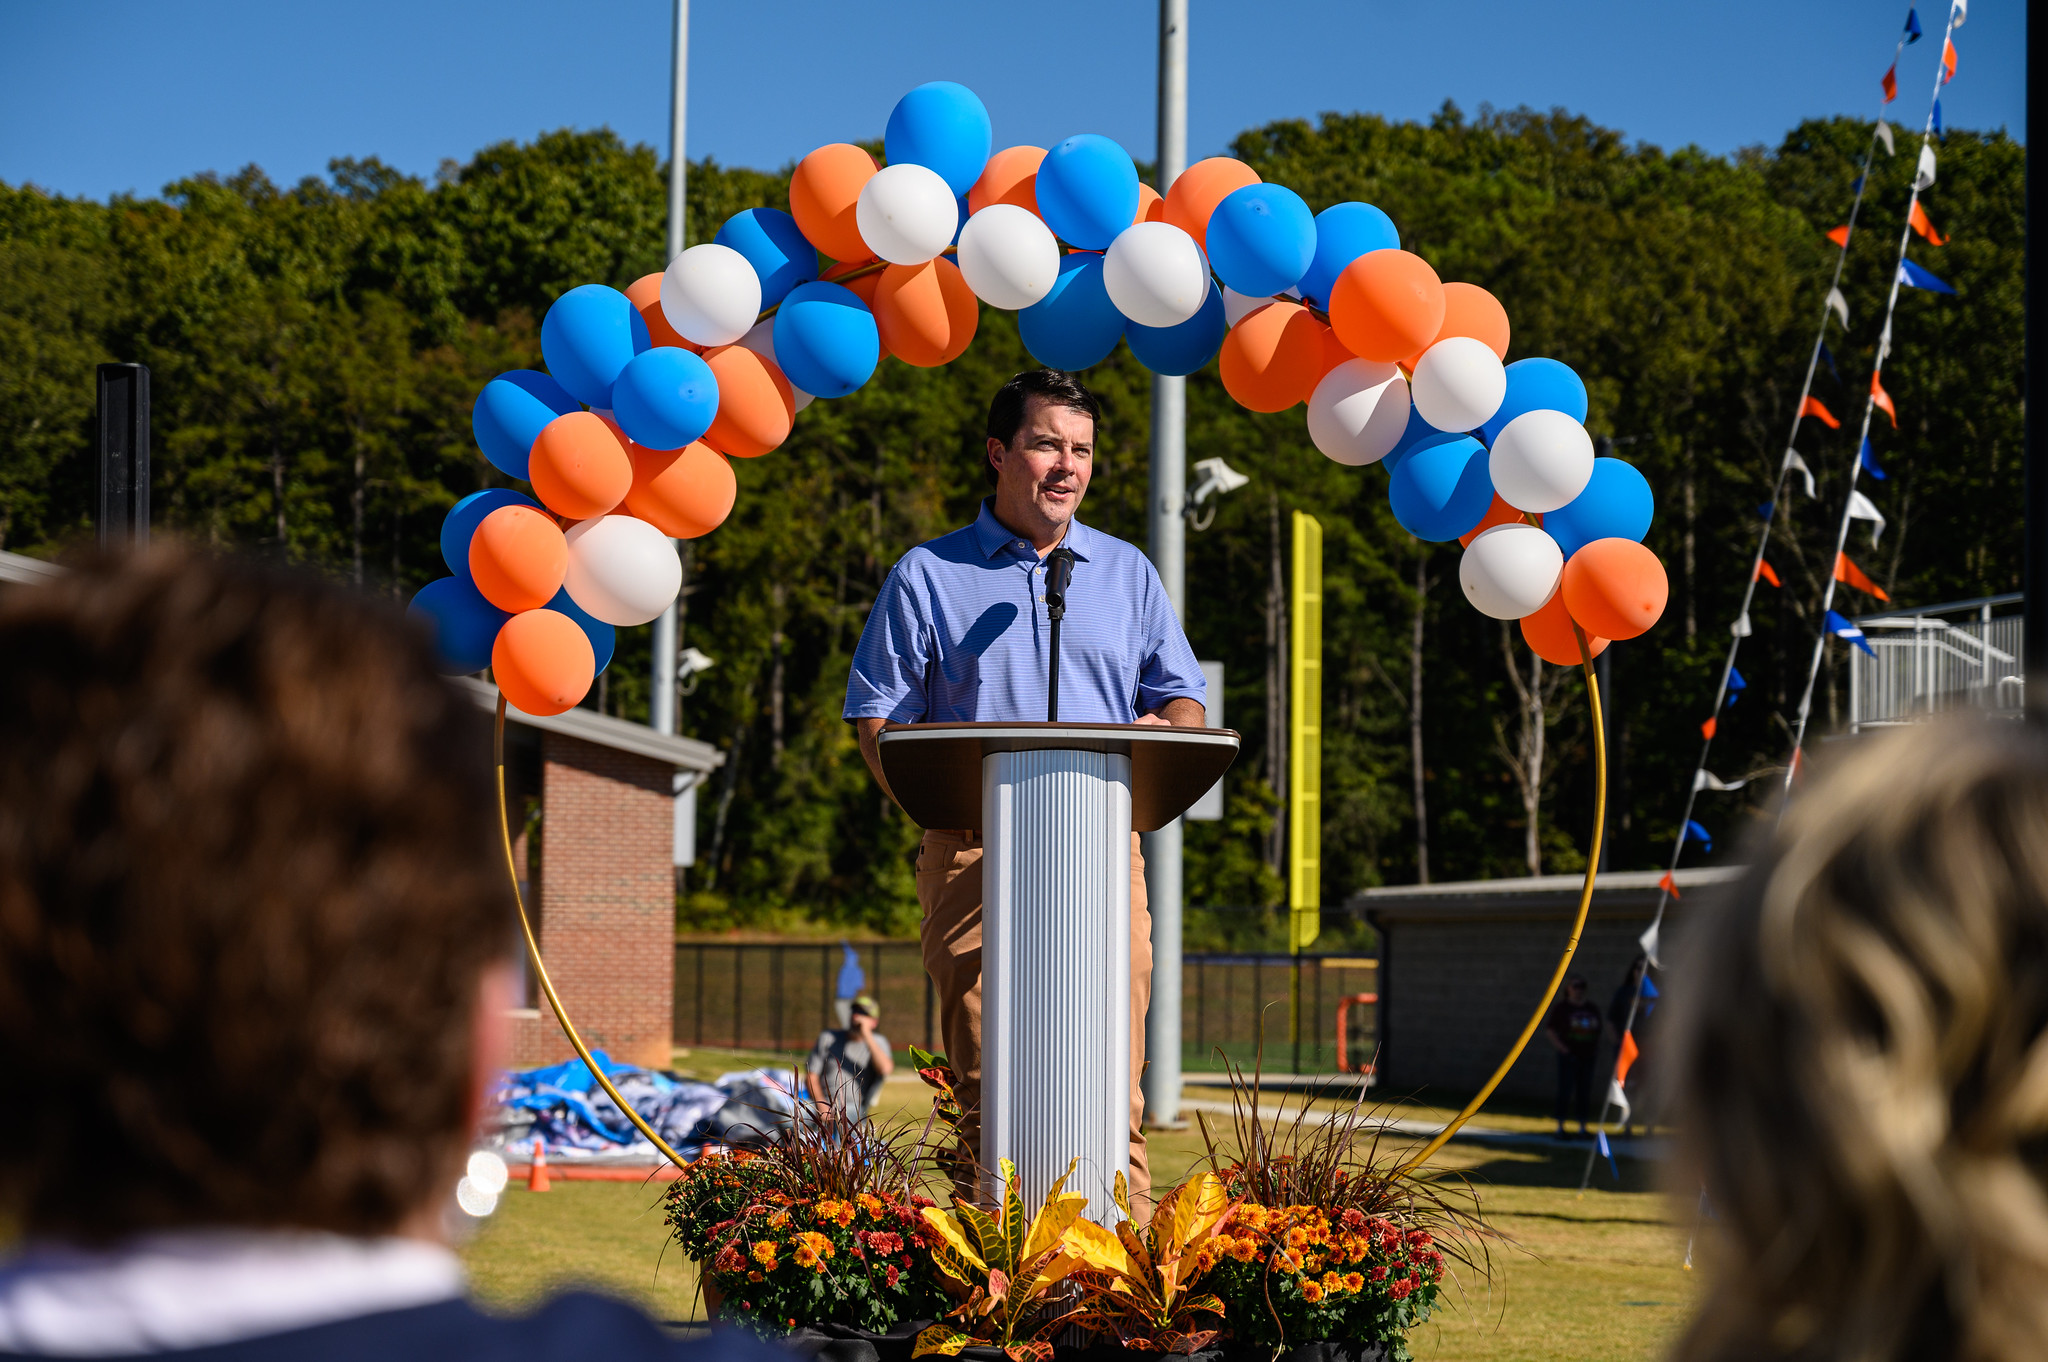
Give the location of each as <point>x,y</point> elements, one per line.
<point>255,967</point>
<point>1857,1045</point>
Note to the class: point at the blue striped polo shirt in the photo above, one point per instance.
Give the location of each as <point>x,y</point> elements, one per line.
<point>959,634</point>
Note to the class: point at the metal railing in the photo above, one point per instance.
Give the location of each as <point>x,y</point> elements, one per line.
<point>778,996</point>
<point>1928,661</point>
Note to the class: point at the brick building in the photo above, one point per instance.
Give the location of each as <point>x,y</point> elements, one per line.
<point>592,801</point>
<point>1462,965</point>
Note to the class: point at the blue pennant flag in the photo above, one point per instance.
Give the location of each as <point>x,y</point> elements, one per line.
<point>1765,509</point>
<point>1856,185</point>
<point>1870,461</point>
<point>1828,357</point>
<point>1848,632</point>
<point>1608,1150</point>
<point>1912,276</point>
<point>1912,26</point>
<point>1695,833</point>
<point>1937,120</point>
<point>1735,685</point>
<point>1650,996</point>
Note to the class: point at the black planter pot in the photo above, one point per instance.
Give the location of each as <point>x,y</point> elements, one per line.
<point>842,1343</point>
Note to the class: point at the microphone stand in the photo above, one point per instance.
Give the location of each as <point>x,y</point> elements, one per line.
<point>1059,571</point>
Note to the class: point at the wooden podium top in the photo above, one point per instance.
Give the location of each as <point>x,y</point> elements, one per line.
<point>935,769</point>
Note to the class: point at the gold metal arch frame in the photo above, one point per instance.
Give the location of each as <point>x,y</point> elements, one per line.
<point>540,971</point>
<point>1471,1108</point>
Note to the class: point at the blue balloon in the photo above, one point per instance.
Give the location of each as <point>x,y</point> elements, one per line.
<point>825,339</point>
<point>1442,488</point>
<point>665,398</point>
<point>1075,325</point>
<point>463,518</point>
<point>463,623</point>
<point>1537,385</point>
<point>773,245</point>
<point>1617,504</point>
<point>590,334</point>
<point>1261,239</point>
<point>963,212</point>
<point>1184,348</point>
<point>1414,434</point>
<point>1087,191</point>
<point>510,412</point>
<point>942,126</point>
<point>1345,231</point>
<point>604,639</point>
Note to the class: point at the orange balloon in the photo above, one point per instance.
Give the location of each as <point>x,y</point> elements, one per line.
<point>1614,587</point>
<point>1194,196</point>
<point>542,662</point>
<point>518,558</point>
<point>1270,358</point>
<point>684,492</point>
<point>926,313</point>
<point>1151,207</point>
<point>1500,513</point>
<point>1387,305</point>
<point>1470,310</point>
<point>1333,354</point>
<point>1548,633</point>
<point>644,294</point>
<point>1011,176</point>
<point>823,193</point>
<point>579,467</point>
<point>755,405</point>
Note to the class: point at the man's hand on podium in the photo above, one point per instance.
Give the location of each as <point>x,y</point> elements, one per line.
<point>1177,713</point>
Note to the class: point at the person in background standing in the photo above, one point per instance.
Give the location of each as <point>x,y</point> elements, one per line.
<point>846,1068</point>
<point>1573,1029</point>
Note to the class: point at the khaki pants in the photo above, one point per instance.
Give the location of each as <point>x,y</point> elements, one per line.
<point>949,891</point>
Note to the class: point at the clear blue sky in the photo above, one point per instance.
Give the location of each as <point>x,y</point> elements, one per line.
<point>102,96</point>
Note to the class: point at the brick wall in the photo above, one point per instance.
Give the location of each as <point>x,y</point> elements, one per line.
<point>607,903</point>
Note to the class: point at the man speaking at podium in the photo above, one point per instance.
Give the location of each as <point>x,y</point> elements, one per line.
<point>959,634</point>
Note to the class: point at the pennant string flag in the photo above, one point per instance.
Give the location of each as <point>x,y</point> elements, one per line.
<point>1839,305</point>
<point>1884,343</point>
<point>1703,779</point>
<point>1707,729</point>
<point>1912,276</point>
<point>1882,400</point>
<point>1694,832</point>
<point>1912,27</point>
<point>1815,408</point>
<point>1869,457</point>
<point>1842,629</point>
<point>1794,462</point>
<point>1924,225</point>
<point>1741,626</point>
<point>1958,13</point>
<point>1884,135</point>
<point>1828,358</point>
<point>1937,121</point>
<point>1948,60</point>
<point>1862,508</point>
<point>1766,572</point>
<point>1891,83</point>
<point>1924,176</point>
<point>1848,573</point>
<point>1735,681</point>
<point>1839,235</point>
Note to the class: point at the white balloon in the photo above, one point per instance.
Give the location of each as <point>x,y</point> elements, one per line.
<point>1236,306</point>
<point>1008,256</point>
<point>761,340</point>
<point>621,569</point>
<point>1358,411</point>
<point>1156,274</point>
<point>1540,461</point>
<point>1459,384</point>
<point>710,294</point>
<point>1510,571</point>
<point>907,214</point>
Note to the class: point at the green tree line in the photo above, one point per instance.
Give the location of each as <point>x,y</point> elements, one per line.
<point>316,349</point>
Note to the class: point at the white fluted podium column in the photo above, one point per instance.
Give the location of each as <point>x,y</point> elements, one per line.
<point>1056,969</point>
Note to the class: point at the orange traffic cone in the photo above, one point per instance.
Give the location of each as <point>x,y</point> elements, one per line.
<point>537,1174</point>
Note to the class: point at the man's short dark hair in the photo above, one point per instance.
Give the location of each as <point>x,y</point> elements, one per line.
<point>248,888</point>
<point>1057,386</point>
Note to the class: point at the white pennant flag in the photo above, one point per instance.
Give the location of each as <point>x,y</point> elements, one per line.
<point>1706,780</point>
<point>1839,305</point>
<point>1741,626</point>
<point>1884,343</point>
<point>1616,1098</point>
<point>1924,176</point>
<point>1861,508</point>
<point>1959,13</point>
<point>1884,135</point>
<point>1648,941</point>
<point>1792,460</point>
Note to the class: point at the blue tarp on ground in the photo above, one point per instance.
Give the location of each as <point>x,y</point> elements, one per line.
<point>562,1105</point>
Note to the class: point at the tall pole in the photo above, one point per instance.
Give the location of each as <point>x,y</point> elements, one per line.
<point>1168,543</point>
<point>662,700</point>
<point>2034,626</point>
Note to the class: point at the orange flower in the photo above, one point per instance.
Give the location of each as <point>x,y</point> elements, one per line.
<point>1297,1238</point>
<point>806,1257</point>
<point>1244,1249</point>
<point>1354,1282</point>
<point>1290,1260</point>
<point>753,1276</point>
<point>1332,1282</point>
<point>779,1221</point>
<point>1311,1292</point>
<point>872,1204</point>
<point>764,1252</point>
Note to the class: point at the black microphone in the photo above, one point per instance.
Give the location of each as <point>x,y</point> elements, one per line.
<point>1059,572</point>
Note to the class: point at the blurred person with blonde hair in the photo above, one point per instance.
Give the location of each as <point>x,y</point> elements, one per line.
<point>1858,1054</point>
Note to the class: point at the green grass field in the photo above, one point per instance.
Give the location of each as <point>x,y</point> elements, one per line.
<point>1592,1279</point>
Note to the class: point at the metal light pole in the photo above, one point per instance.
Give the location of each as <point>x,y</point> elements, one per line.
<point>662,701</point>
<point>1168,543</point>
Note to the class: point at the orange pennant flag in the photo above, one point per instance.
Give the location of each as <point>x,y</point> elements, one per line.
<point>1851,575</point>
<point>1669,886</point>
<point>1765,572</point>
<point>1840,236</point>
<point>1812,407</point>
<point>1629,1049</point>
<point>1948,59</point>
<point>1882,400</point>
<point>1891,83</point>
<point>1925,226</point>
<point>1707,728</point>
